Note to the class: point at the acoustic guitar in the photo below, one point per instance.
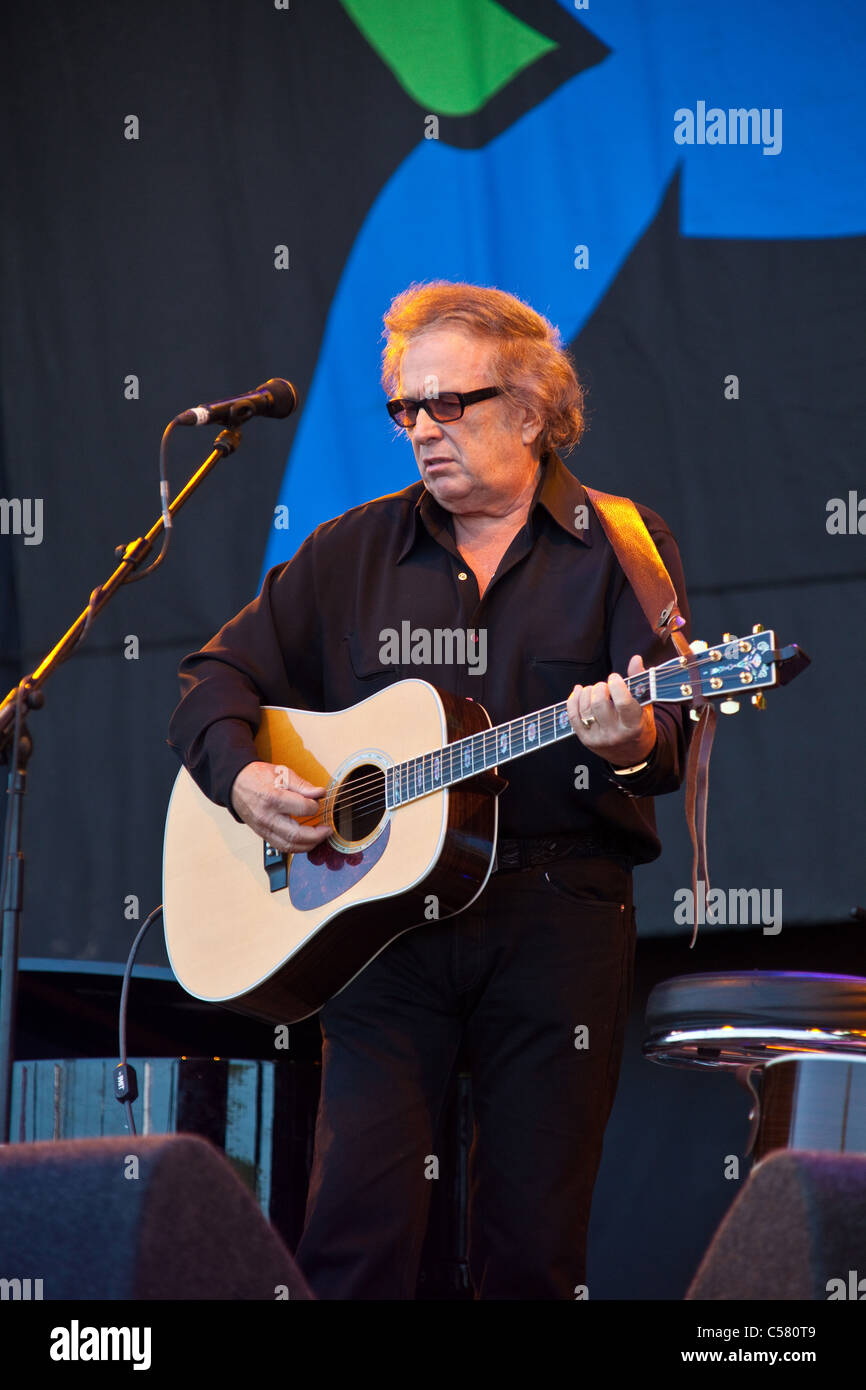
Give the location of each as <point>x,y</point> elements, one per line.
<point>412,784</point>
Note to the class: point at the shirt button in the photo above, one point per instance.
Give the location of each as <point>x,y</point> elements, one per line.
<point>463,575</point>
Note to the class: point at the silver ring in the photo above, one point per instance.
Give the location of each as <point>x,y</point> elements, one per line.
<point>588,723</point>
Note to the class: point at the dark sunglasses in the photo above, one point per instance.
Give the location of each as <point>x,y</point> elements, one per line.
<point>444,408</point>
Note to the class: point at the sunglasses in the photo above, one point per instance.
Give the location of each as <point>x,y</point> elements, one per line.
<point>447,406</point>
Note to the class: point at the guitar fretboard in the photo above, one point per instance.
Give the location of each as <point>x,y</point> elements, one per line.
<point>480,752</point>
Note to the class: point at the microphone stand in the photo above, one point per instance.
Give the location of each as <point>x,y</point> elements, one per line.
<point>16,746</point>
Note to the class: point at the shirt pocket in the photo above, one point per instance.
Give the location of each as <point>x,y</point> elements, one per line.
<point>554,672</point>
<point>366,665</point>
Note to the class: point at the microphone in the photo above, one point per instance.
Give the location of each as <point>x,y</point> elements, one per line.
<point>277,398</point>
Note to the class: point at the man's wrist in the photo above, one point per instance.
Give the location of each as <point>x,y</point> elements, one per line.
<point>230,802</point>
<point>639,764</point>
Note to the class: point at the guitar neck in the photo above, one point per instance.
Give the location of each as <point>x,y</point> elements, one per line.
<point>736,665</point>
<point>443,767</point>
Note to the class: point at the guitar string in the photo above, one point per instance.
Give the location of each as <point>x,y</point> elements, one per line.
<point>365,785</point>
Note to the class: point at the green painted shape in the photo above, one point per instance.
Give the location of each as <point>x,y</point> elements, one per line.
<point>452,55</point>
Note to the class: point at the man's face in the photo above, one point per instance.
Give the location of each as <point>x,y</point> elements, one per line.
<point>481,461</point>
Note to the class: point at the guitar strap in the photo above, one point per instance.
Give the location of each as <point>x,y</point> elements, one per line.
<point>646,573</point>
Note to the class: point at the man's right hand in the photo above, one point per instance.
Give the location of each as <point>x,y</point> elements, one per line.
<point>270,799</point>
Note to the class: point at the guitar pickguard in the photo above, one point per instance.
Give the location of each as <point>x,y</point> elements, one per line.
<point>325,873</point>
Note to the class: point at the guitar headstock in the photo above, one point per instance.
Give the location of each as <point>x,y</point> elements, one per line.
<point>734,667</point>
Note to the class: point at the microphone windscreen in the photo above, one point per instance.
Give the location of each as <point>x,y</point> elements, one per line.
<point>284,396</point>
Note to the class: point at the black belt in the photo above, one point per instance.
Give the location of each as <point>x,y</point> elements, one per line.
<point>528,853</point>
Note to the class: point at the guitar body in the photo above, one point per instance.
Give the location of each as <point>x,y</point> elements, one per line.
<point>275,936</point>
<point>413,829</point>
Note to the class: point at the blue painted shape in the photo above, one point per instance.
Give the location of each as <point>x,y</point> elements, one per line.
<point>590,165</point>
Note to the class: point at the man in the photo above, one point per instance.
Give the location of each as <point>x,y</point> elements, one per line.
<point>531,984</point>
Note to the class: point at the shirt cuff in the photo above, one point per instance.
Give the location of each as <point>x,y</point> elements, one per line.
<point>217,757</point>
<point>637,784</point>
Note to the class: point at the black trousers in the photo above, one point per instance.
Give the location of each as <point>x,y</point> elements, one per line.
<point>532,986</point>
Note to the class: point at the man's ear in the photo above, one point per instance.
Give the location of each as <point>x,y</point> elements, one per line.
<point>531,427</point>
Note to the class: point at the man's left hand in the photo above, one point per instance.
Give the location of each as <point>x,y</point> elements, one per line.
<point>622,731</point>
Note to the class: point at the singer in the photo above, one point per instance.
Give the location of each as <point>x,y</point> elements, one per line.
<point>531,984</point>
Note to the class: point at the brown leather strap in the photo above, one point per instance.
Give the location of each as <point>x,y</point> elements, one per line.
<point>642,565</point>
<point>647,574</point>
<point>697,791</point>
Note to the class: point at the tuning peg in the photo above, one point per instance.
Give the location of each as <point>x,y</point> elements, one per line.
<point>698,646</point>
<point>728,637</point>
<point>758,627</point>
<point>729,706</point>
<point>759,700</point>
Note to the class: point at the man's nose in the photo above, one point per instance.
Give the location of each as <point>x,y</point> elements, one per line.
<point>425,426</point>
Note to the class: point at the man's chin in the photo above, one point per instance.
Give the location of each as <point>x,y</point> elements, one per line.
<point>446,484</point>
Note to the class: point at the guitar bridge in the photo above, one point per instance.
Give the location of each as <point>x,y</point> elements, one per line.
<point>276,867</point>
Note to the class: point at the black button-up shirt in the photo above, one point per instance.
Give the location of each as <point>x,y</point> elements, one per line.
<point>381,593</point>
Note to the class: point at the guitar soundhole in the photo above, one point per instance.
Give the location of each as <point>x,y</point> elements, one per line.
<point>359,805</point>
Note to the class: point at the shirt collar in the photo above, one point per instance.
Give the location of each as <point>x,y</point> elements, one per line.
<point>563,496</point>
<point>558,492</point>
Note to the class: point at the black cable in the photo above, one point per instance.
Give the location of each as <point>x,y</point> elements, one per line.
<point>125,1080</point>
<point>164,497</point>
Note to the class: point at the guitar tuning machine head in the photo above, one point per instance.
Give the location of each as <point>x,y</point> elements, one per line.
<point>698,646</point>
<point>729,706</point>
<point>757,627</point>
<point>759,700</point>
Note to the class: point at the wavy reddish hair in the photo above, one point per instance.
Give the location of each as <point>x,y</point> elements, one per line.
<point>529,364</point>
